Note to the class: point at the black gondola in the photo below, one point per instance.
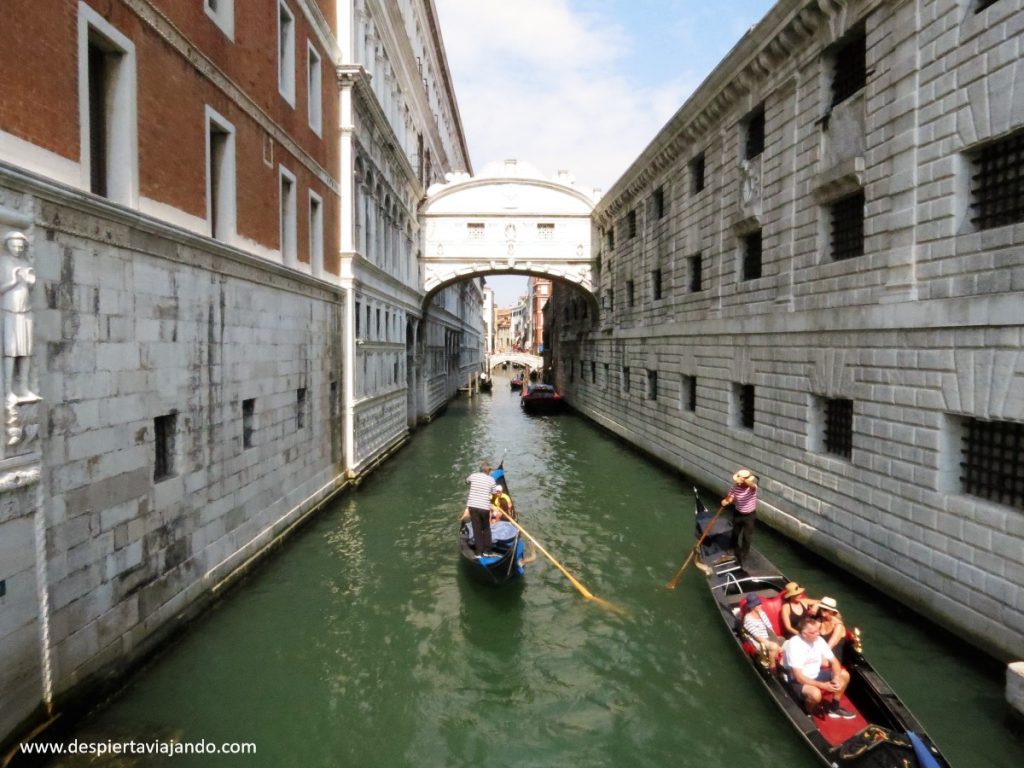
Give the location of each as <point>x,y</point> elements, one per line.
<point>505,562</point>
<point>516,382</point>
<point>486,382</point>
<point>882,734</point>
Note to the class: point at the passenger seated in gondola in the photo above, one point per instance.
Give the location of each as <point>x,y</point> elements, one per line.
<point>832,628</point>
<point>757,624</point>
<point>795,605</point>
<point>803,656</point>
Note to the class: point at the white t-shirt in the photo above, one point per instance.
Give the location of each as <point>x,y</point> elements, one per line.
<point>797,653</point>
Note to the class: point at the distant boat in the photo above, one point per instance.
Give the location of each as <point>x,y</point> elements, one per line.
<point>882,732</point>
<point>517,382</point>
<point>505,562</point>
<point>541,398</point>
<point>486,382</point>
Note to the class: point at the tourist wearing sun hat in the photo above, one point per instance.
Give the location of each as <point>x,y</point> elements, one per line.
<point>743,498</point>
<point>832,628</point>
<point>795,605</point>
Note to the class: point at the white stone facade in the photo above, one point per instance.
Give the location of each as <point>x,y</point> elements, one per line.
<point>712,360</point>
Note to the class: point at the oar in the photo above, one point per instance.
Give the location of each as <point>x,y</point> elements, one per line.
<point>675,579</point>
<point>572,579</point>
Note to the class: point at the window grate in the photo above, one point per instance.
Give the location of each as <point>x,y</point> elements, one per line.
<point>697,172</point>
<point>752,251</point>
<point>755,134</point>
<point>248,419</point>
<point>998,182</point>
<point>746,396</point>
<point>839,427</point>
<point>850,69</point>
<point>690,393</point>
<point>847,217</point>
<point>658,202</point>
<point>164,428</point>
<point>625,379</point>
<point>656,284</point>
<point>630,294</point>
<point>631,224</point>
<point>593,372</point>
<point>652,385</point>
<point>992,465</point>
<point>696,279</point>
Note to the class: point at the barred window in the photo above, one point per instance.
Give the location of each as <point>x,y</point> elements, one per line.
<point>300,408</point>
<point>847,225</point>
<point>997,181</point>
<point>610,237</point>
<point>606,374</point>
<point>248,422</point>
<point>849,68</point>
<point>593,372</point>
<point>839,427</point>
<point>652,385</point>
<point>475,231</point>
<point>164,428</point>
<point>696,279</point>
<point>697,173</point>
<point>631,224</point>
<point>688,395</point>
<point>752,256</point>
<point>546,231</point>
<point>754,134</point>
<point>992,461</point>
<point>658,203</point>
<point>630,294</point>
<point>744,394</point>
<point>656,284</point>
<point>625,378</point>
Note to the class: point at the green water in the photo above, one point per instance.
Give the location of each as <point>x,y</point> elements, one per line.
<point>363,643</point>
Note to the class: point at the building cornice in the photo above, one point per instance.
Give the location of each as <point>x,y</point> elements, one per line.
<point>435,32</point>
<point>778,37</point>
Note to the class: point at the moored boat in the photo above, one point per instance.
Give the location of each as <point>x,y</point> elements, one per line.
<point>882,732</point>
<point>486,382</point>
<point>541,398</point>
<point>505,560</point>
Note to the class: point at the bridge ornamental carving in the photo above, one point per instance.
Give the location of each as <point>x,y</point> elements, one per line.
<point>508,222</point>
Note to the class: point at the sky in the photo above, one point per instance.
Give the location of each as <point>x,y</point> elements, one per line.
<point>579,85</point>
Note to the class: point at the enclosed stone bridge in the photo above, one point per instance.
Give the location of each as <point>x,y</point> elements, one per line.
<point>533,362</point>
<point>507,220</point>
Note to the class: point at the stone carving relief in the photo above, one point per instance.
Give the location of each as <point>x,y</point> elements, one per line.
<point>750,186</point>
<point>17,277</point>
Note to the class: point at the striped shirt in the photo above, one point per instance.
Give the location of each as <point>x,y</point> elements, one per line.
<point>744,498</point>
<point>480,484</point>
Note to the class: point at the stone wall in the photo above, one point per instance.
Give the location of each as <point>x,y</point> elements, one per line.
<point>921,333</point>
<point>152,342</point>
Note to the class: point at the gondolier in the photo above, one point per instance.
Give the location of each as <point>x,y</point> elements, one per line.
<point>478,507</point>
<point>743,498</point>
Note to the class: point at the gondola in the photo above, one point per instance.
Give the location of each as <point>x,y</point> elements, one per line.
<point>882,734</point>
<point>540,398</point>
<point>517,382</point>
<point>505,563</point>
<point>486,382</point>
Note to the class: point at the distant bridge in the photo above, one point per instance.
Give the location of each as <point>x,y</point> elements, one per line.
<point>533,362</point>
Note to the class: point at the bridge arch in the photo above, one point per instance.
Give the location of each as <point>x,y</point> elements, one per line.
<point>507,220</point>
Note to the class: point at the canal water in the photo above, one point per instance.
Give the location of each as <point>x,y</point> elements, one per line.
<point>364,643</point>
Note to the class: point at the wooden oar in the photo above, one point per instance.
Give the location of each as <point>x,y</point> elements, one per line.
<point>675,579</point>
<point>572,579</point>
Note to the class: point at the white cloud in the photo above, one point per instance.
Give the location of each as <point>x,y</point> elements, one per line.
<point>544,83</point>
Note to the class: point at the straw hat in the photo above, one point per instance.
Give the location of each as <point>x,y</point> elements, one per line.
<point>792,589</point>
<point>745,475</point>
<point>828,604</point>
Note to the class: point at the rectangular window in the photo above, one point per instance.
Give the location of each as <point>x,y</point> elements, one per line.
<point>164,430</point>
<point>838,435</point>
<point>688,394</point>
<point>631,224</point>
<point>358,324</point>
<point>625,379</point>
<point>300,408</point>
<point>220,177</point>
<point>752,256</point>
<point>287,217</point>
<point>286,52</point>
<point>223,14</point>
<point>610,237</point>
<point>846,219</point>
<point>107,109</point>
<point>248,422</point>
<point>658,203</point>
<point>475,231</point>
<point>593,372</point>
<point>849,66</point>
<point>316,234</point>
<point>754,144</point>
<point>983,4</point>
<point>696,277</point>
<point>630,294</point>
<point>997,182</point>
<point>314,90</point>
<point>546,231</point>
<point>992,461</point>
<point>697,173</point>
<point>656,285</point>
<point>743,395</point>
<point>606,374</point>
<point>652,385</point>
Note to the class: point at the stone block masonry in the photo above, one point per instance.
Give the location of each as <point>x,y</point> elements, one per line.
<point>181,431</point>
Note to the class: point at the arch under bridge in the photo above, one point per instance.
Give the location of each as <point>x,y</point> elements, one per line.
<point>533,362</point>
